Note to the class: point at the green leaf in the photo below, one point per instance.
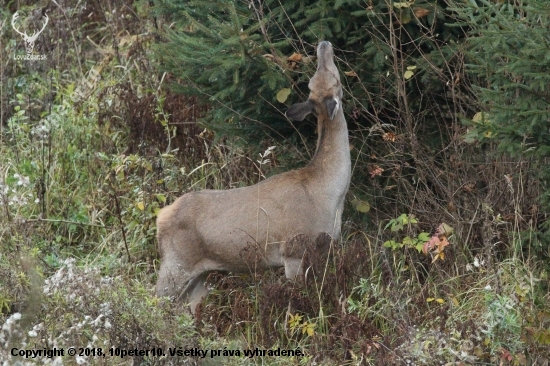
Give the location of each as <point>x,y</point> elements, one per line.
<point>405,16</point>
<point>423,236</point>
<point>390,244</point>
<point>397,227</point>
<point>160,197</point>
<point>390,223</point>
<point>408,74</point>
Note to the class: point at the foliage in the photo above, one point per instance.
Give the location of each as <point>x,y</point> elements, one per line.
<point>399,224</point>
<point>509,62</point>
<point>508,56</point>
<point>298,326</point>
<point>83,309</point>
<point>241,57</point>
<point>93,144</point>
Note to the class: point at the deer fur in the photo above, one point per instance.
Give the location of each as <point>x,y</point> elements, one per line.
<point>214,230</point>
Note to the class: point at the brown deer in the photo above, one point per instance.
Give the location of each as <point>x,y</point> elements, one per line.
<point>209,230</point>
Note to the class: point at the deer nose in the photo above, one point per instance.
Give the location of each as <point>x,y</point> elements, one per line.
<point>324,45</point>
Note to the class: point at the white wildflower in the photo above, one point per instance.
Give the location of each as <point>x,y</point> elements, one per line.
<point>22,180</point>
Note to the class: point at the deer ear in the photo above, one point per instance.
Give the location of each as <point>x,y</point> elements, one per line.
<point>299,111</point>
<point>332,107</point>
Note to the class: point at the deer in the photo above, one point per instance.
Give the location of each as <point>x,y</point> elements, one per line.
<point>208,231</point>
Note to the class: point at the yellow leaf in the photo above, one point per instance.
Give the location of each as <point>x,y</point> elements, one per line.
<point>480,117</point>
<point>310,331</point>
<point>444,229</point>
<point>350,73</point>
<point>140,206</point>
<point>360,205</point>
<point>430,299</point>
<point>454,300</point>
<point>120,173</point>
<point>408,74</point>
<point>441,301</point>
<point>439,255</point>
<point>411,67</point>
<point>283,94</point>
<point>401,5</point>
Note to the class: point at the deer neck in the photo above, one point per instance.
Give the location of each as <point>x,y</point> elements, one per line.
<point>332,156</point>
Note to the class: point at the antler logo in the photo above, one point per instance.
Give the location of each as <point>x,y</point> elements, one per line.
<point>29,40</point>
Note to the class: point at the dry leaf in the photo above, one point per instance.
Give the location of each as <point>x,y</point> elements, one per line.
<point>421,12</point>
<point>469,187</point>
<point>295,57</point>
<point>350,73</point>
<point>376,170</point>
<point>293,60</point>
<point>389,136</point>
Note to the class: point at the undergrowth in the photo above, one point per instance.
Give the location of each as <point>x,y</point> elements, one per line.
<point>89,155</point>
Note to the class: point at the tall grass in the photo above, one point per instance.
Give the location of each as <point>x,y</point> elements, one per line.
<point>87,158</point>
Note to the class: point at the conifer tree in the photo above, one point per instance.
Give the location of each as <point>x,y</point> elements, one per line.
<point>238,55</point>
<point>509,59</point>
<point>509,55</point>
